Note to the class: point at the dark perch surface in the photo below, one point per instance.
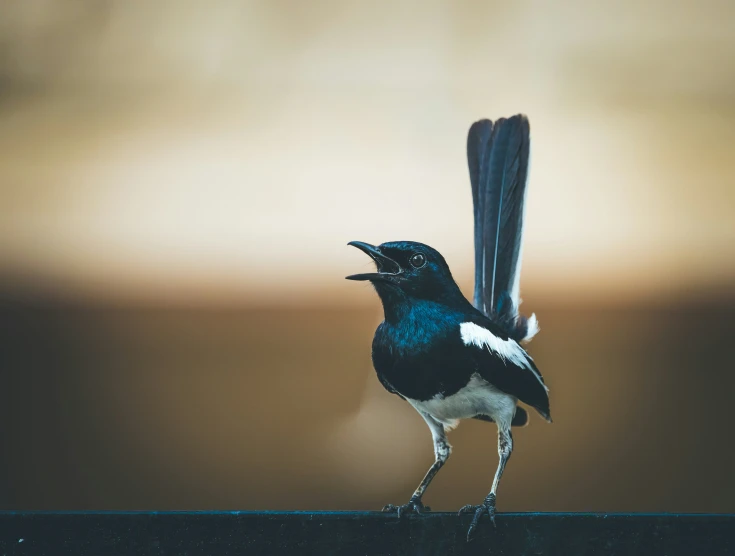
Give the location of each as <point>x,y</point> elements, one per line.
<point>354,533</point>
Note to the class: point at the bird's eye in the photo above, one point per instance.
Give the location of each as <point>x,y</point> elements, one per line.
<point>417,260</point>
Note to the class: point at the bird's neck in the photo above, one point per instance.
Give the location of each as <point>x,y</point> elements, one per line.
<point>398,306</point>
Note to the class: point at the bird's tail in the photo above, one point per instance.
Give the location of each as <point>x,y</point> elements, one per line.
<point>520,418</point>
<point>498,159</point>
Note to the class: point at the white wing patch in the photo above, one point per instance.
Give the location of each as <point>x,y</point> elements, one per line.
<point>507,350</point>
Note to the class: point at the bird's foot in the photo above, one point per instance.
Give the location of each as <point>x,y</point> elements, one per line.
<point>414,506</point>
<point>488,507</point>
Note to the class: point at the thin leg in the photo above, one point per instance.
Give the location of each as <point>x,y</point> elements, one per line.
<point>505,447</point>
<point>442,449</point>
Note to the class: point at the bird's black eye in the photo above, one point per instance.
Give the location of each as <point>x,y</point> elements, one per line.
<point>417,260</point>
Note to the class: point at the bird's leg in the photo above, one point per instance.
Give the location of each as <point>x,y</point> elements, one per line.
<point>442,449</point>
<point>505,447</point>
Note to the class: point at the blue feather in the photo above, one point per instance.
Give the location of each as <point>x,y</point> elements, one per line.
<point>497,155</point>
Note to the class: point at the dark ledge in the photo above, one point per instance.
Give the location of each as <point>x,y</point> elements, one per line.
<point>358,533</point>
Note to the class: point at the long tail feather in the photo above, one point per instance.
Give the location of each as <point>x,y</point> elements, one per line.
<point>497,155</point>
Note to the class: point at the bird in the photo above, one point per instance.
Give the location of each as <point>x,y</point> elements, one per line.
<point>447,357</point>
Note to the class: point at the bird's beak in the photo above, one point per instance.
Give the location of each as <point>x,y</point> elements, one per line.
<point>387,267</point>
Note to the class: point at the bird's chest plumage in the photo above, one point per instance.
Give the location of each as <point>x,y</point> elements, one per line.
<point>421,356</point>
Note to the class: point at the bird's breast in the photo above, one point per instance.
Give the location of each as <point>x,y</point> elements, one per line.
<point>420,362</point>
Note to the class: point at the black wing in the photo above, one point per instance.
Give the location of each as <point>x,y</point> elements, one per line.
<point>498,161</point>
<point>501,361</point>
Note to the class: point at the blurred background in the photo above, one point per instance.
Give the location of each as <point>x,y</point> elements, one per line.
<point>178,182</point>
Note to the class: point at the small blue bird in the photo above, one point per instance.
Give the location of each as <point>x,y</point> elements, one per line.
<point>449,359</point>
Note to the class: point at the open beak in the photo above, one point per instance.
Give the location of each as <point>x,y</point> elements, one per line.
<point>388,269</point>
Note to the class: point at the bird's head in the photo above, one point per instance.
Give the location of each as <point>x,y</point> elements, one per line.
<point>408,269</point>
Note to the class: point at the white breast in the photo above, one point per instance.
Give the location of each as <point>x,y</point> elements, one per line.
<point>479,397</point>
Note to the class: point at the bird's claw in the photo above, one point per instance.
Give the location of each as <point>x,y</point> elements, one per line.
<point>414,505</point>
<point>488,507</point>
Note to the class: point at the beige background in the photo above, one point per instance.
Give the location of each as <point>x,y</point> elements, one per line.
<point>178,181</point>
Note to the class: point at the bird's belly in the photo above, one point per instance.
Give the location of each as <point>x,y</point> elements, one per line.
<point>478,397</point>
